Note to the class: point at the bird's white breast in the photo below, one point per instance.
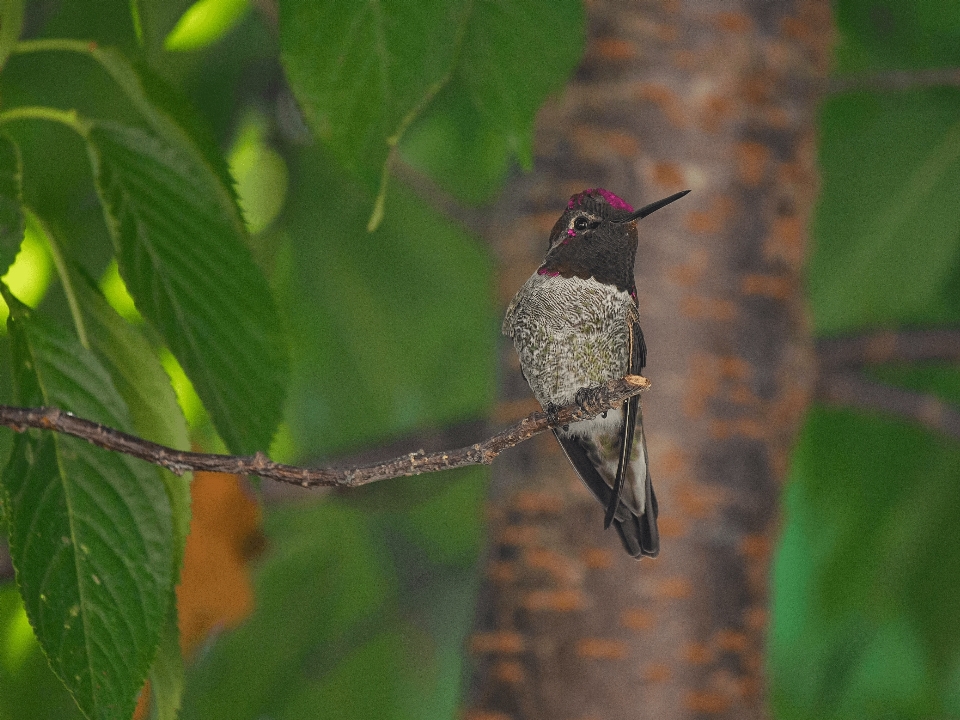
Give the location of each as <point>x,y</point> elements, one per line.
<point>571,333</point>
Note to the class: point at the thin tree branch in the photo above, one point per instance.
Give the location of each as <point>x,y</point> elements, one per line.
<point>841,382</point>
<point>590,402</point>
<point>888,346</point>
<point>854,390</point>
<point>895,80</point>
<point>426,439</point>
<point>6,563</point>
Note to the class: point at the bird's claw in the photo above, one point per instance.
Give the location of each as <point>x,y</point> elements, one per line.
<point>552,410</point>
<point>585,399</point>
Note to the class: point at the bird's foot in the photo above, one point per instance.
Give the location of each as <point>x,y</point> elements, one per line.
<point>587,399</point>
<point>553,414</point>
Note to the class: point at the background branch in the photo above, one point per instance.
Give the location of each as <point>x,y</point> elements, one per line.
<point>888,346</point>
<point>591,402</point>
<point>852,389</point>
<point>6,564</point>
<point>894,80</point>
<point>841,381</point>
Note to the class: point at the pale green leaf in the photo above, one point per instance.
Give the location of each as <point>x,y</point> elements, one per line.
<point>205,22</point>
<point>11,21</point>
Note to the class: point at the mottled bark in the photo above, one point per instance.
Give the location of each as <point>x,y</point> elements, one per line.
<point>720,98</point>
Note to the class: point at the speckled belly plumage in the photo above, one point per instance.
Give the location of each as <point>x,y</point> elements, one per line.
<point>571,333</point>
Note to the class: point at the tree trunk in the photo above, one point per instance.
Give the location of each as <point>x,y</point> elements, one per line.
<point>720,98</point>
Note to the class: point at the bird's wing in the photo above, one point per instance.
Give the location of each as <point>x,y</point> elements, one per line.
<point>642,484</point>
<point>637,530</point>
<point>629,455</point>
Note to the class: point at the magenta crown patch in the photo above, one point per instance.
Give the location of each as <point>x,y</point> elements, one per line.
<point>616,202</point>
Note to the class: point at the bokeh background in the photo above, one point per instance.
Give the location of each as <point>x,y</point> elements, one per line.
<point>359,605</point>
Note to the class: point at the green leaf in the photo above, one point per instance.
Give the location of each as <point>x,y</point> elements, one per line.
<point>171,118</point>
<point>205,22</point>
<point>362,70</point>
<point>144,385</point>
<point>515,53</point>
<point>483,118</point>
<point>185,262</point>
<point>887,230</point>
<point>865,585</point>
<point>12,223</point>
<point>878,34</point>
<point>90,531</point>
<point>458,148</point>
<point>30,689</point>
<point>136,371</point>
<point>11,21</point>
<point>167,681</point>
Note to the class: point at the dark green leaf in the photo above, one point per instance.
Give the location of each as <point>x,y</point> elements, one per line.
<point>457,147</point>
<point>865,622</point>
<point>172,119</point>
<point>362,70</point>
<point>12,222</point>
<point>90,530</point>
<point>878,34</point>
<point>515,53</point>
<point>145,388</point>
<point>183,257</point>
<point>167,673</point>
<point>887,226</point>
<point>325,559</point>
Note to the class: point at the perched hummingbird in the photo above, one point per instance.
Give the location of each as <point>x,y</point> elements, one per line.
<point>575,324</point>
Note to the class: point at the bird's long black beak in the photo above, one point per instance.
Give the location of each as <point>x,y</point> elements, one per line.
<point>652,207</point>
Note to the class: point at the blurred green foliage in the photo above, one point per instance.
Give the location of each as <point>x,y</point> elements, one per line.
<point>865,621</point>
<point>388,332</point>
<point>392,593</point>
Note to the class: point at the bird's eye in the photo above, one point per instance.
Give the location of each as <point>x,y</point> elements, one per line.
<point>581,223</point>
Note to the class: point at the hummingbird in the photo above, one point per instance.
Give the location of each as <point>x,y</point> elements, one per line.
<point>576,324</point>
